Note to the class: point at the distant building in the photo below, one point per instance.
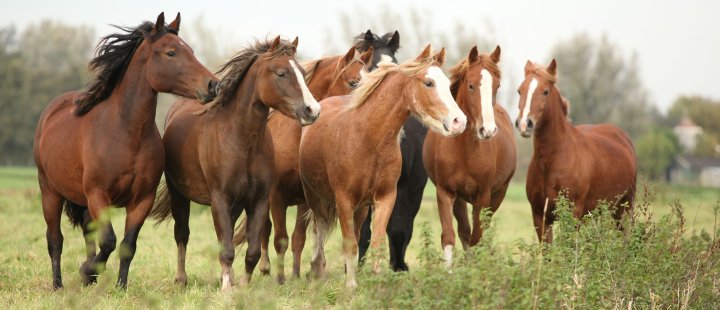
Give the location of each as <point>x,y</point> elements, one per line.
<point>687,133</point>
<point>695,170</point>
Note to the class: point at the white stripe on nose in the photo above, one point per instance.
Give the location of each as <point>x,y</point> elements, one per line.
<point>455,120</point>
<point>308,98</point>
<point>486,102</point>
<point>528,101</point>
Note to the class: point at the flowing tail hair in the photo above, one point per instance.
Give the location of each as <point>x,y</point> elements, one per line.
<point>324,226</point>
<point>161,207</point>
<point>75,213</point>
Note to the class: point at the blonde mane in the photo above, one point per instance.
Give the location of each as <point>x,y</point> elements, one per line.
<point>542,72</point>
<point>370,81</point>
<point>310,66</point>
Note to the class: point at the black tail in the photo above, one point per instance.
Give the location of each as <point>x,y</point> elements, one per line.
<point>75,213</point>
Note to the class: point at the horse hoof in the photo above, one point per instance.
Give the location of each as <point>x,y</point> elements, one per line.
<point>281,279</point>
<point>181,281</point>
<point>87,275</point>
<point>351,285</point>
<point>57,285</point>
<point>265,272</point>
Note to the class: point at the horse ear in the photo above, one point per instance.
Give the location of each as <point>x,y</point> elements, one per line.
<point>367,56</point>
<point>473,56</point>
<point>369,36</point>
<point>160,23</point>
<point>495,56</point>
<point>552,68</point>
<point>439,57</point>
<point>529,67</point>
<point>175,25</point>
<point>295,44</point>
<point>394,43</point>
<point>425,53</point>
<point>275,43</point>
<point>348,57</point>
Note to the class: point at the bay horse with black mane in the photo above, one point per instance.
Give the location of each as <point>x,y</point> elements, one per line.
<point>101,147</point>
<point>325,77</point>
<point>477,166</point>
<point>222,155</point>
<point>592,162</point>
<point>350,159</point>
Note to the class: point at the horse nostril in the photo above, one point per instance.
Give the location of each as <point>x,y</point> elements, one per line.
<point>529,124</point>
<point>517,123</point>
<point>308,110</point>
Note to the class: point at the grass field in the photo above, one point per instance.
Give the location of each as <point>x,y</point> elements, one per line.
<point>25,265</point>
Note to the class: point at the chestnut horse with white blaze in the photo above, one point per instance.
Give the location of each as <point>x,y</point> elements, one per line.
<point>326,77</point>
<point>477,166</point>
<point>592,162</point>
<point>101,147</point>
<point>222,154</point>
<point>350,159</point>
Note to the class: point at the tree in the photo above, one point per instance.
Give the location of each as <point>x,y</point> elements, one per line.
<point>656,151</point>
<point>602,86</point>
<point>49,58</point>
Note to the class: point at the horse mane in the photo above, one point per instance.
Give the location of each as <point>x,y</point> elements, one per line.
<point>310,66</point>
<point>235,69</point>
<point>377,42</point>
<point>458,72</point>
<point>542,72</point>
<point>371,80</point>
<point>113,55</point>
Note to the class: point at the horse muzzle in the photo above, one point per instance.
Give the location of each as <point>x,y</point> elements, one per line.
<point>308,113</point>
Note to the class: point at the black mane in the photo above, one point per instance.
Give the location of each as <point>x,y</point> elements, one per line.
<point>112,57</point>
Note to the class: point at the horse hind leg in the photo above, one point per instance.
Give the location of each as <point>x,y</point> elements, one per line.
<point>364,240</point>
<point>52,211</point>
<point>278,210</point>
<point>299,236</point>
<point>180,210</point>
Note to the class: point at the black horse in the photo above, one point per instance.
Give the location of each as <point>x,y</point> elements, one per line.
<point>410,186</point>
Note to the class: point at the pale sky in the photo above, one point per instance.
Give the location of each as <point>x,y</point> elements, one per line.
<point>677,42</point>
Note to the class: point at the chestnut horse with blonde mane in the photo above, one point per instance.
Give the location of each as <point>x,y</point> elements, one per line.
<point>326,77</point>
<point>477,166</point>
<point>350,159</point>
<point>222,155</point>
<point>592,162</point>
<point>101,147</point>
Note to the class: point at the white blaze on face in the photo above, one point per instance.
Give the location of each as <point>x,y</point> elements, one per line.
<point>442,87</point>
<point>307,96</point>
<point>528,101</point>
<point>486,101</point>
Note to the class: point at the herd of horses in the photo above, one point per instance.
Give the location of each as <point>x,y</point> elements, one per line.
<point>254,141</point>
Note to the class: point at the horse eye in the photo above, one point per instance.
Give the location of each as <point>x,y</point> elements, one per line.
<point>281,74</point>
<point>519,92</point>
<point>170,53</point>
<point>471,86</point>
<point>429,83</point>
<point>353,83</point>
<point>545,92</point>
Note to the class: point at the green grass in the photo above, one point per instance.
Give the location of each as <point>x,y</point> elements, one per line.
<point>25,265</point>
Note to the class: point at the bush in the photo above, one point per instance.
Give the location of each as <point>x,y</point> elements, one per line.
<point>647,263</point>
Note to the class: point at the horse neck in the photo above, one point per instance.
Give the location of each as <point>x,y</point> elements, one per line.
<point>383,114</point>
<point>134,101</point>
<point>322,78</point>
<point>552,128</point>
<point>245,115</point>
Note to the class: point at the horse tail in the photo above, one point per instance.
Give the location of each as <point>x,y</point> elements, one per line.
<point>324,221</point>
<point>162,206</point>
<point>75,213</point>
<point>240,230</point>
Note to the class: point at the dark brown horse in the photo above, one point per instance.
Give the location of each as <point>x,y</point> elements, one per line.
<point>592,162</point>
<point>222,155</point>
<point>325,77</point>
<point>350,159</point>
<point>101,147</point>
<point>477,166</point>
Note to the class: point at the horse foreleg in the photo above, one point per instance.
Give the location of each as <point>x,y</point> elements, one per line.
<point>52,211</point>
<point>278,210</point>
<point>460,212</point>
<point>134,220</point>
<point>364,240</point>
<point>346,212</point>
<point>299,236</point>
<point>381,216</point>
<point>256,217</point>
<point>97,207</point>
<point>479,205</point>
<point>220,208</point>
<point>180,208</point>
<point>445,205</point>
